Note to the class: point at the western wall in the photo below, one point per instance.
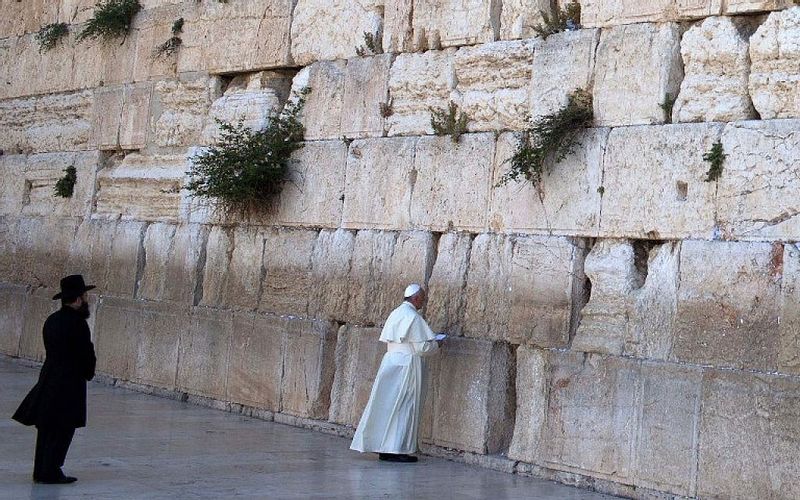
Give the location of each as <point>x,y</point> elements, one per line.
<point>629,327</point>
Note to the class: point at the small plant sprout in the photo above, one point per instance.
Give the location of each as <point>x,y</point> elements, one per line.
<point>386,108</point>
<point>667,105</point>
<point>112,19</point>
<point>49,35</point>
<point>716,158</point>
<point>451,122</point>
<point>65,186</point>
<point>372,45</point>
<point>567,19</point>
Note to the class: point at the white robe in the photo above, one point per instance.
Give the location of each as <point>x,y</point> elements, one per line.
<point>390,421</point>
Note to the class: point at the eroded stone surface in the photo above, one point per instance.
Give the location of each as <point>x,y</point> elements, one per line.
<point>204,352</point>
<point>159,328</point>
<point>330,271</point>
<point>533,378</point>
<point>612,12</point>
<point>286,279</point>
<point>233,271</point>
<point>180,109</point>
<point>12,308</point>
<point>255,372</point>
<point>116,336</point>
<point>309,367</point>
<point>121,116</point>
<point>518,18</point>
<point>449,23</point>
<point>744,6</point>
<point>366,89</point>
<point>446,288</point>
<point>358,356</point>
<point>789,354</point>
<point>322,112</point>
<point>173,256</point>
<point>775,54</point>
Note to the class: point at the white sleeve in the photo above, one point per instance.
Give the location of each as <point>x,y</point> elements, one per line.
<point>425,348</point>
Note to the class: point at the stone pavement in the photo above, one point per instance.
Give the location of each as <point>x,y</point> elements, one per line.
<point>140,446</point>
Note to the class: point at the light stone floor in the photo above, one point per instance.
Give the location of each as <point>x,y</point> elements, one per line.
<point>139,446</point>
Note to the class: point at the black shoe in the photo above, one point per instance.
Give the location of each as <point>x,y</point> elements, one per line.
<point>395,457</point>
<point>55,480</point>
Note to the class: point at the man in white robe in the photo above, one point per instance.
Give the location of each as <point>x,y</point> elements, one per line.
<point>390,421</point>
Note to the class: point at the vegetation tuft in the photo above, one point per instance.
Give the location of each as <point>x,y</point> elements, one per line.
<point>550,139</point>
<point>65,186</point>
<point>667,105</point>
<point>386,108</point>
<point>372,45</point>
<point>112,19</point>
<point>49,35</point>
<point>247,168</point>
<point>716,158</point>
<point>171,46</point>
<point>451,122</point>
<point>566,19</point>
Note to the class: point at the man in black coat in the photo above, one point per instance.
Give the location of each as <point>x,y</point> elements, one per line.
<point>57,403</point>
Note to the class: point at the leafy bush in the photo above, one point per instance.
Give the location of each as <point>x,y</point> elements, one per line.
<point>49,35</point>
<point>65,186</point>
<point>450,122</point>
<point>247,168</point>
<point>563,20</point>
<point>550,139</point>
<point>112,19</point>
<point>715,157</point>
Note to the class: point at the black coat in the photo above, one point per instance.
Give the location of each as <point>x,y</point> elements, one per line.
<point>59,397</point>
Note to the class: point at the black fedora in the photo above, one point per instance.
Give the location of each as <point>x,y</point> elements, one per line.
<point>72,287</point>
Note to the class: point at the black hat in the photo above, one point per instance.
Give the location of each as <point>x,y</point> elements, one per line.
<point>72,287</point>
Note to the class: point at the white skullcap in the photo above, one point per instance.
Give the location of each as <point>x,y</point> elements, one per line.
<point>411,290</point>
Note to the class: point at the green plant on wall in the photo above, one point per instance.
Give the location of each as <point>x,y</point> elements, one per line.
<point>65,186</point>
<point>112,19</point>
<point>49,35</point>
<point>171,46</point>
<point>549,139</point>
<point>372,45</point>
<point>450,122</point>
<point>565,19</point>
<point>667,105</point>
<point>248,168</point>
<point>716,158</point>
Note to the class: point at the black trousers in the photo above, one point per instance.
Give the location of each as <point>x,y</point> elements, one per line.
<point>52,444</point>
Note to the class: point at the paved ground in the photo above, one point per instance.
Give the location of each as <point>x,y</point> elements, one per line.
<point>139,446</point>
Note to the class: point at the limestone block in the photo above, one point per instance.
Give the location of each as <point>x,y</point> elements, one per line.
<point>232,275</point>
<point>561,63</point>
<point>121,276</point>
<point>358,356</point>
<point>727,315</point>
<point>39,176</point>
<point>418,82</point>
<point>636,66</point>
<point>41,250</point>
<point>8,257</point>
<point>567,201</point>
<point>38,306</point>
<point>12,317</point>
<point>204,351</point>
<point>789,353</point>
<point>744,6</point>
<point>159,327</point>
<point>322,112</point>
<point>757,196</point>
<point>173,256</point>
<point>75,11</point>
<point>330,274</point>
<point>287,277</point>
<point>154,28</point>
<point>121,116</point>
<point>452,182</point>
<point>117,336</point>
<point>379,183</point>
<point>518,18</point>
<point>486,313</point>
<point>309,367</point>
<point>141,187</point>
<point>667,198</point>
<point>533,378</point>
<point>748,436</point>
<point>398,33</point>
<point>446,287</point>
<point>450,23</point>
<point>366,87</point>
<point>333,29</point>
<point>179,110</point>
<point>256,365</point>
<point>775,54</point>
<point>493,84</point>
<point>716,64</point>
<point>313,195</point>
<point>597,13</point>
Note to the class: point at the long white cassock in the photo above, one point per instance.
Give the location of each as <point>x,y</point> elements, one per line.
<point>390,421</point>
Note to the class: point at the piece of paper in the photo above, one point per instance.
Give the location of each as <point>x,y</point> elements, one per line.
<point>440,336</point>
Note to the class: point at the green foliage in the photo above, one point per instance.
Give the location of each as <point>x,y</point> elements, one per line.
<point>65,186</point>
<point>177,26</point>
<point>450,122</point>
<point>248,168</point>
<point>171,46</point>
<point>715,157</point>
<point>49,35</point>
<point>550,139</point>
<point>112,19</point>
<point>667,105</point>
<point>386,108</point>
<point>372,45</point>
<point>562,20</point>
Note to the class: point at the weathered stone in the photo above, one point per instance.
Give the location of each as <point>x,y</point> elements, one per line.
<point>452,184</point>
<point>12,315</point>
<point>233,264</point>
<point>287,277</point>
<point>159,327</point>
<point>398,33</point>
<point>716,64</point>
<point>744,6</point>
<point>446,288</point>
<point>366,88</point>
<point>757,196</point>
<point>727,315</point>
<point>533,378</point>
<point>124,258</point>
<point>358,356</point>
<point>568,199</point>
<point>611,12</point>
<point>41,248</point>
<point>493,84</point>
<point>636,67</point>
<point>775,53</point>
<point>107,254</point>
<point>789,353</point>
<point>749,436</point>
<point>256,365</point>
<point>172,262</point>
<point>121,116</point>
<point>379,183</point>
<point>417,83</point>
<point>518,18</point>
<point>141,187</point>
<point>116,336</point>
<point>179,110</point>
<point>309,367</point>
<point>204,351</point>
<point>474,396</point>
<point>12,184</point>
<point>561,63</point>
<point>38,306</point>
<point>667,198</point>
<point>486,313</point>
<point>334,29</point>
<point>322,112</point>
<point>449,23</point>
<point>330,274</point>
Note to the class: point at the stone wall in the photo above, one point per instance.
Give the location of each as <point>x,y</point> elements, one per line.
<point>628,327</point>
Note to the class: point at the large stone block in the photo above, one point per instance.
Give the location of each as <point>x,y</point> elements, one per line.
<point>446,288</point>
<point>358,356</point>
<point>179,110</point>
<point>568,199</point>
<point>117,336</point>
<point>308,368</point>
<point>636,67</point>
<point>38,306</point>
<point>613,12</point>
<point>451,189</point>
<point>333,29</point>
<point>42,172</point>
<point>323,109</point>
<point>450,23</point>
<point>667,198</point>
<point>789,353</point>
<point>159,328</point>
<point>775,54</point>
<point>398,33</point>
<point>287,278</point>
<point>173,256</point>
<point>749,436</point>
<point>141,187</point>
<point>518,18</point>
<point>40,250</point>
<point>154,28</point>
<point>728,315</point>
<point>121,116</point>
<point>745,6</point>
<point>366,88</point>
<point>233,267</point>
<point>493,84</point>
<point>716,65</point>
<point>204,353</point>
<point>757,190</point>
<point>13,300</point>
<point>330,274</point>
<point>379,183</point>
<point>533,380</point>
<point>255,373</point>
